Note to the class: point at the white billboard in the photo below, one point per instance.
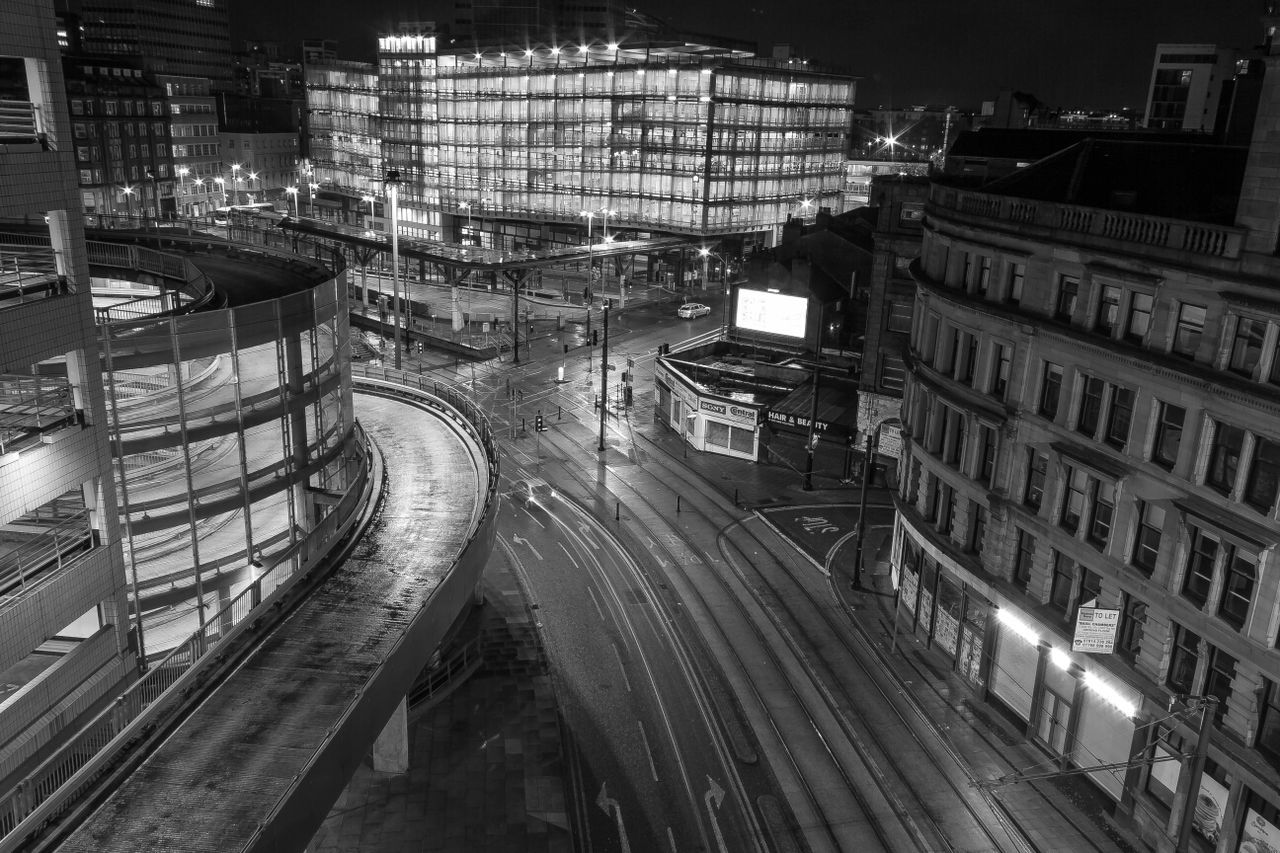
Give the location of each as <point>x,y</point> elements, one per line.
<point>774,313</point>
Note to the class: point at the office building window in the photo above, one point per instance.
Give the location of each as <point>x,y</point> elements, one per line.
<point>1182,662</point>
<point>1241,570</point>
<point>1017,278</point>
<point>1001,366</point>
<point>1119,417</point>
<point>983,284</point>
<point>1064,578</point>
<point>1246,349</point>
<point>1190,328</point>
<point>1076,485</point>
<point>1201,558</point>
<point>1224,457</point>
<point>1050,389</point>
<point>1146,538</point>
<point>1023,559</point>
<point>1090,405</point>
<point>1138,323</point>
<point>970,359</point>
<point>1264,475</point>
<point>1102,514</point>
<point>1068,291</point>
<point>1218,677</point>
<point>1037,469</point>
<point>987,457</point>
<point>1133,620</point>
<point>1268,739</point>
<point>977,526</point>
<point>1108,319</point>
<point>1168,437</point>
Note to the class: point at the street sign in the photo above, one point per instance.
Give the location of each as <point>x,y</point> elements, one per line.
<point>1095,630</point>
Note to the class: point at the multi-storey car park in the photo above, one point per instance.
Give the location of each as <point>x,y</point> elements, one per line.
<point>519,147</point>
<point>1091,425</point>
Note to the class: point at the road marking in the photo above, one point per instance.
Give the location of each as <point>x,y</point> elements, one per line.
<point>671,839</point>
<point>516,538</point>
<point>568,555</point>
<point>648,751</point>
<point>606,804</point>
<point>591,592</point>
<point>716,793</point>
<point>618,655</point>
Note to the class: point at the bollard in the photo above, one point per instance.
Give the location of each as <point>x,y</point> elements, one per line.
<point>677,503</point>
<point>522,429</point>
<point>735,497</point>
<point>558,408</point>
<point>617,511</point>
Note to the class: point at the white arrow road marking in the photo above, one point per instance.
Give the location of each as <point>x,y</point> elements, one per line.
<point>516,538</point>
<point>606,803</point>
<point>715,793</point>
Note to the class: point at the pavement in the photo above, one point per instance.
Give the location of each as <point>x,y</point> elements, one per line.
<point>487,769</point>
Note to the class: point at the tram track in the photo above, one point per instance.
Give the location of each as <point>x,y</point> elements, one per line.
<point>929,826</point>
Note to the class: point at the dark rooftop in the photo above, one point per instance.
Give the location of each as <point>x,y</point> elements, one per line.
<point>1031,144</point>
<point>1197,182</point>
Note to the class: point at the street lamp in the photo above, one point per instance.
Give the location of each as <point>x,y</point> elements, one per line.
<point>604,226</point>
<point>253,176</point>
<point>197,187</point>
<point>311,198</point>
<point>591,261</point>
<point>805,204</point>
<point>292,192</point>
<point>369,199</point>
<point>235,183</point>
<point>222,185</point>
<point>393,191</point>
<point>183,171</point>
<point>128,201</point>
<point>466,205</point>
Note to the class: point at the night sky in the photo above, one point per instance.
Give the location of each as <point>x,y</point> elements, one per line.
<point>1091,54</point>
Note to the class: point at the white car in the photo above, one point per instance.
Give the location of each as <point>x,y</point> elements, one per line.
<point>692,310</point>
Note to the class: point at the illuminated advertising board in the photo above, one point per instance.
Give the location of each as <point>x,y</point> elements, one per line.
<point>773,313</point>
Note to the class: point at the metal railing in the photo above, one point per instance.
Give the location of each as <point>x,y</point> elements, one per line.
<point>19,122</point>
<point>73,767</point>
<point>47,545</point>
<point>30,405</point>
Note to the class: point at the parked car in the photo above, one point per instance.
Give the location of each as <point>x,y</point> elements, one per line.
<point>693,310</point>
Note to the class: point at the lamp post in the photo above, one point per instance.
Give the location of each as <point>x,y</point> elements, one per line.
<point>197,187</point>
<point>591,261</point>
<point>466,205</point>
<point>235,183</point>
<point>253,176</point>
<point>604,373</point>
<point>311,198</point>
<point>183,171</point>
<point>292,192</point>
<point>369,200</point>
<point>805,204</point>
<point>222,185</point>
<point>128,202</point>
<point>393,192</point>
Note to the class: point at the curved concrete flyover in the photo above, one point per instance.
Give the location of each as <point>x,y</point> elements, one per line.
<point>259,762</point>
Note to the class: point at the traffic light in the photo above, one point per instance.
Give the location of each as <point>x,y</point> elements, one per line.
<point>538,423</point>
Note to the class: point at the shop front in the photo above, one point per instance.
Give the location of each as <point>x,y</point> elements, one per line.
<point>708,422</point>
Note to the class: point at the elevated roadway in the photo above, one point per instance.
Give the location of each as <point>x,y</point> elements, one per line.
<point>261,758</point>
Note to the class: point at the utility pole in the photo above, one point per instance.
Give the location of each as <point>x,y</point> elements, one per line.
<point>813,411</point>
<point>604,373</point>
<point>862,518</point>
<point>515,323</point>
<point>1195,768</point>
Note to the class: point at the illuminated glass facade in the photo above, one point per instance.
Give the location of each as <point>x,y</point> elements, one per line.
<point>666,139</point>
<point>342,101</point>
